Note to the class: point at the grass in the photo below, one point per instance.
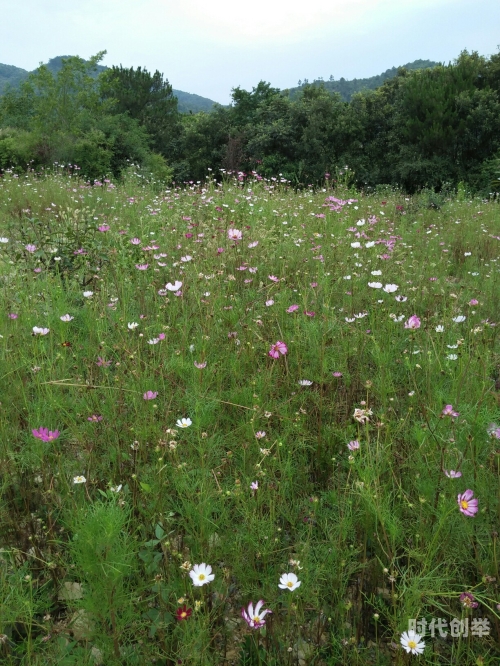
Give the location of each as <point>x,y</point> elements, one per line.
<point>94,571</point>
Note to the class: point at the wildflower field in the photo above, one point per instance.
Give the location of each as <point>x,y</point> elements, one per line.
<point>243,424</point>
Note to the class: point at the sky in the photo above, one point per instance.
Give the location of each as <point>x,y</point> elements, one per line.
<point>208,47</point>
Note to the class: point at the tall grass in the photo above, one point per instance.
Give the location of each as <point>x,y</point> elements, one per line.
<point>102,523</point>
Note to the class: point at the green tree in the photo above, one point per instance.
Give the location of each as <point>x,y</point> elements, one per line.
<point>147,98</point>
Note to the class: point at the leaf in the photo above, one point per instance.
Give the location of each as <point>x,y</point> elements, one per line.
<point>159,532</point>
<point>145,487</point>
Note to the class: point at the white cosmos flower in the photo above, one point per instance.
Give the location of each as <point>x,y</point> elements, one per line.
<point>153,341</point>
<point>390,288</point>
<point>289,581</point>
<point>40,331</point>
<point>459,319</point>
<point>356,244</point>
<point>132,324</point>
<point>88,294</point>
<point>370,244</point>
<point>79,479</point>
<point>305,382</point>
<point>439,328</point>
<point>173,287</point>
<point>201,574</point>
<point>116,489</point>
<point>4,240</point>
<point>412,642</point>
<point>375,285</point>
<point>254,617</point>
<point>184,423</point>
<point>347,277</point>
<point>401,299</point>
<point>66,317</point>
<point>451,357</point>
<point>349,320</point>
<point>188,257</point>
<point>376,272</point>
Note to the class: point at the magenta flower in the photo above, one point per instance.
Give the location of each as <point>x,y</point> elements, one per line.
<point>352,446</point>
<point>102,363</point>
<point>95,418</point>
<point>449,411</point>
<point>45,434</point>
<point>12,315</point>
<point>467,504</point>
<point>413,322</point>
<point>292,308</point>
<point>135,241</point>
<point>104,227</point>
<point>150,395</point>
<point>473,301</point>
<point>277,349</point>
<point>452,474</point>
<point>468,600</point>
<point>30,247</point>
<point>254,486</point>
<point>254,617</point>
<point>309,313</point>
<point>220,250</point>
<point>337,374</point>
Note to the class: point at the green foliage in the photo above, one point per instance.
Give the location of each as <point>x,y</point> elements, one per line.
<point>145,97</point>
<point>97,568</point>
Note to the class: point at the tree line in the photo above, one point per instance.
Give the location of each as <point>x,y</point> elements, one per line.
<point>425,128</point>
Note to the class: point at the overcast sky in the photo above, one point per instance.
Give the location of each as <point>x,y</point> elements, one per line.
<point>210,46</point>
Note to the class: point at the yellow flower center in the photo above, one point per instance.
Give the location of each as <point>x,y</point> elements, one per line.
<point>290,584</point>
<point>464,504</point>
<point>412,644</point>
<point>256,618</point>
<point>183,614</point>
<point>201,577</point>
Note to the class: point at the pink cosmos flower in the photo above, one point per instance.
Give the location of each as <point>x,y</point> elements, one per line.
<point>292,308</point>
<point>352,446</point>
<point>254,617</point>
<point>254,486</point>
<point>277,349</point>
<point>104,227</point>
<point>220,250</point>
<point>337,374</point>
<point>449,411</point>
<point>234,234</point>
<point>493,430</point>
<point>45,434</point>
<point>468,600</point>
<point>142,267</point>
<point>95,418</point>
<point>269,302</point>
<point>30,247</point>
<point>135,241</point>
<point>253,244</point>
<point>200,366</point>
<point>451,474</point>
<point>467,504</point>
<point>473,301</point>
<point>260,434</point>
<point>150,395</point>
<point>273,278</point>
<point>309,313</point>
<point>12,315</point>
<point>413,322</point>
<point>102,363</point>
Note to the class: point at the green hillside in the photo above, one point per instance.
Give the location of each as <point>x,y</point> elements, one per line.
<point>188,102</point>
<point>347,88</point>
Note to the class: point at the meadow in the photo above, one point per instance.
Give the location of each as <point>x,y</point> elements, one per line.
<point>225,392</point>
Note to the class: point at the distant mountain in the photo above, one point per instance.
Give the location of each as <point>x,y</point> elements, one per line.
<point>187,102</point>
<point>348,88</point>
